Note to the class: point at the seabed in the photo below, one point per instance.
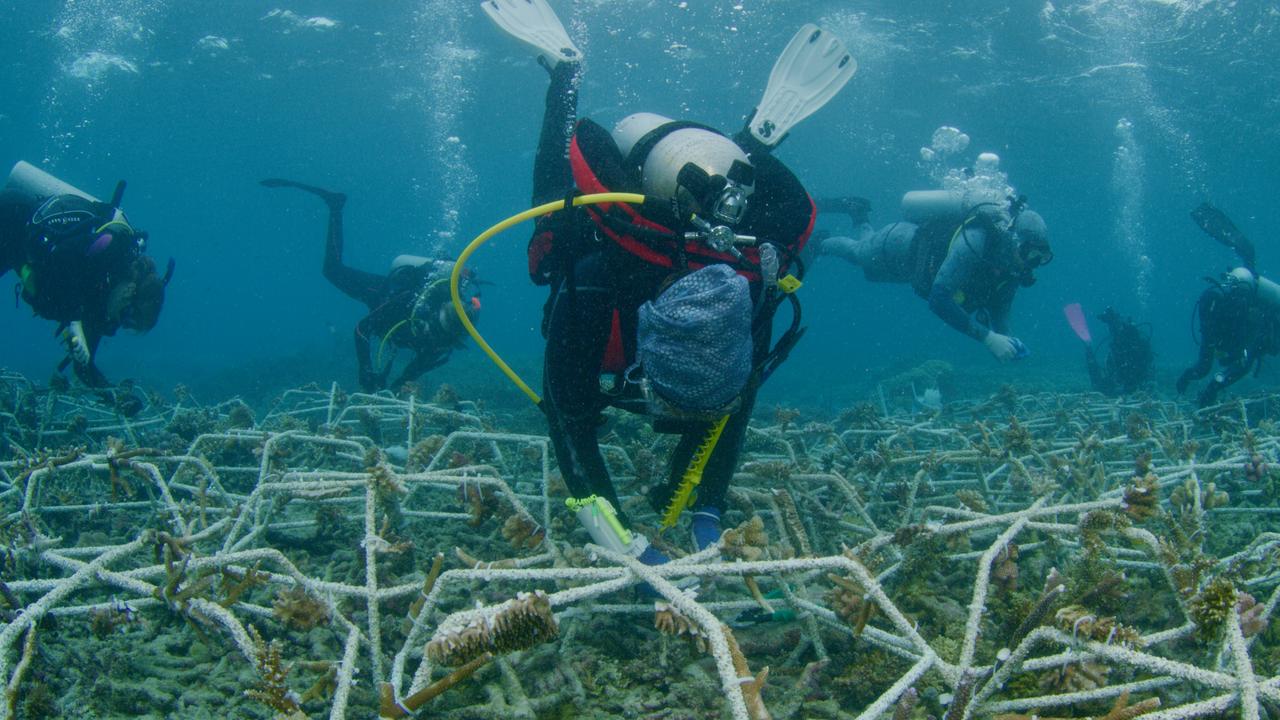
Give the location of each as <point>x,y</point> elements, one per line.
<point>349,555</point>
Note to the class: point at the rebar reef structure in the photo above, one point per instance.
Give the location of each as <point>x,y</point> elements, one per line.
<point>1030,555</point>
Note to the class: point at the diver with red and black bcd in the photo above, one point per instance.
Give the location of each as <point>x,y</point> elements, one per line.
<point>673,300</point>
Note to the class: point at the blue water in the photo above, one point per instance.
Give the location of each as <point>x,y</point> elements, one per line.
<point>427,117</point>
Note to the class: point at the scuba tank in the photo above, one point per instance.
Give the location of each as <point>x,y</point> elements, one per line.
<point>35,184</point>
<point>1265,290</point>
<point>954,206</point>
<point>922,207</point>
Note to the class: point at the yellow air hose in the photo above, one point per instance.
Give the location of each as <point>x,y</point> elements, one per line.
<point>692,475</point>
<point>482,238</point>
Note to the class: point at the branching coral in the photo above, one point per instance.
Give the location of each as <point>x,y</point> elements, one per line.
<point>517,624</point>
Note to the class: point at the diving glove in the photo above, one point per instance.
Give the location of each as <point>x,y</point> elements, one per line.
<point>1002,347</point>
<point>72,336</point>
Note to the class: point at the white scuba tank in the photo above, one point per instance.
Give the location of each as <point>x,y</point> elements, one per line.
<point>922,206</point>
<point>1267,291</point>
<point>409,261</point>
<point>35,183</point>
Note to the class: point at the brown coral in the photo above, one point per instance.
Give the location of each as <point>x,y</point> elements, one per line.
<point>272,688</point>
<point>523,532</point>
<point>792,523</point>
<point>1004,569</point>
<point>670,621</point>
<point>1075,677</point>
<point>849,601</point>
<point>1078,621</point>
<point>517,624</point>
<point>748,541</point>
<point>481,502</point>
<point>300,610</point>
<point>1210,607</point>
<point>1142,498</point>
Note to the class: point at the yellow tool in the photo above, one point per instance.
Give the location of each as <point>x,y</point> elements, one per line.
<point>692,474</point>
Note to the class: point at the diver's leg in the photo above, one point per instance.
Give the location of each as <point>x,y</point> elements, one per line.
<point>854,248</point>
<point>579,323</point>
<point>355,284</point>
<point>552,176</point>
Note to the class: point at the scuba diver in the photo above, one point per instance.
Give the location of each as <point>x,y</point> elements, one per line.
<point>409,307</point>
<point>1238,315</point>
<point>79,263</point>
<point>665,308</point>
<point>1239,324</point>
<point>966,253</point>
<point>1129,357</point>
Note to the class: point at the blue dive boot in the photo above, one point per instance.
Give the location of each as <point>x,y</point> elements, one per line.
<point>706,527</point>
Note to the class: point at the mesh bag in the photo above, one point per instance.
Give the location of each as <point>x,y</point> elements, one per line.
<point>695,339</point>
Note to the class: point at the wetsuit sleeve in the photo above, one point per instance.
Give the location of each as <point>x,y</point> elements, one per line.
<point>355,284</point>
<point>1001,309</point>
<point>954,278</point>
<point>552,175</point>
<point>1230,375</point>
<point>89,374</point>
<point>370,381</point>
<point>422,362</point>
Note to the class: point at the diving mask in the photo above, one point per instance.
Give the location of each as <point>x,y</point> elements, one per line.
<point>1035,254</point>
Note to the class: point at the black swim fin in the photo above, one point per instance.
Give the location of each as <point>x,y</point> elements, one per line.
<point>330,198</point>
<point>1218,226</point>
<point>858,209</point>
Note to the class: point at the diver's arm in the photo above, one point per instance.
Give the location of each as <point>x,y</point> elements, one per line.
<point>999,314</point>
<point>370,381</point>
<point>88,373</point>
<point>942,303</point>
<point>1204,363</point>
<point>1229,376</point>
<point>954,277</point>
<point>422,362</point>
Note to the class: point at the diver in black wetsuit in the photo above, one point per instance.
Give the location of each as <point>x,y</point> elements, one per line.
<point>605,269</point>
<point>79,263</point>
<point>1239,323</point>
<point>1129,358</point>
<point>409,308</point>
<point>1238,315</point>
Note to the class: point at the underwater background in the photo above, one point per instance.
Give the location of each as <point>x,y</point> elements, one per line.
<point>1114,117</point>
<point>240,533</point>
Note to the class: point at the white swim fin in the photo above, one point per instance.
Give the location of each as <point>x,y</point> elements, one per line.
<point>814,67</point>
<point>535,24</point>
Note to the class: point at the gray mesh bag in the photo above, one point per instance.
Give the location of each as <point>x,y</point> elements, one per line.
<point>695,339</point>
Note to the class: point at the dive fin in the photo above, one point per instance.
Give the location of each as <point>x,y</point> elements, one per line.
<point>330,197</point>
<point>535,24</point>
<point>1218,226</point>
<point>814,67</point>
